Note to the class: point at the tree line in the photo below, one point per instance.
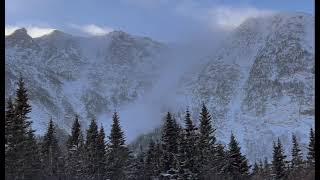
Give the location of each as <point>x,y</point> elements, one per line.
<point>183,152</point>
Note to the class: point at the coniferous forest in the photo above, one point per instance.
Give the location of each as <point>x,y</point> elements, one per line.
<point>183,152</point>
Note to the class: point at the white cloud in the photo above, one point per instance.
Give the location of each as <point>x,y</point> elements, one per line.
<point>10,29</point>
<point>218,16</point>
<point>93,29</point>
<point>33,31</point>
<point>228,18</point>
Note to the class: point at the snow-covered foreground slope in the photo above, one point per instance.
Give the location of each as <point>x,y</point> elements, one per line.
<point>258,83</point>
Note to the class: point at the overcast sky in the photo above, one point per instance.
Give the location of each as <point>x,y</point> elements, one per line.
<point>162,20</point>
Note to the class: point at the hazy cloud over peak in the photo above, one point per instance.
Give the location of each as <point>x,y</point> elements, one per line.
<point>92,29</point>
<point>33,31</point>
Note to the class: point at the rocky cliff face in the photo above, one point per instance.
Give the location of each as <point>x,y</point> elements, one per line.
<point>259,83</point>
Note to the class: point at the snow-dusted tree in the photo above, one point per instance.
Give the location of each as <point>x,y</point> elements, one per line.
<point>188,151</point>
<point>266,168</point>
<point>152,162</point>
<point>91,147</point>
<point>101,154</point>
<point>118,154</point>
<point>50,153</point>
<point>22,151</point>
<point>278,162</point>
<point>237,164</point>
<point>169,140</point>
<point>296,161</point>
<point>137,167</point>
<point>311,149</point>
<point>75,152</point>
<point>9,118</point>
<point>206,143</point>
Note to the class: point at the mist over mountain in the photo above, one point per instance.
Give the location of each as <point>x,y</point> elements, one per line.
<point>257,80</point>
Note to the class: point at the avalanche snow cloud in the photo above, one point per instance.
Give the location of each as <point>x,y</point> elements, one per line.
<point>257,79</point>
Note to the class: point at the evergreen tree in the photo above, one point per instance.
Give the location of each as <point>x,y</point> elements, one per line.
<point>266,167</point>
<point>138,168</point>
<point>311,149</point>
<point>297,161</point>
<point>9,133</point>
<point>75,139</point>
<point>220,159</point>
<point>206,143</point>
<point>169,141</point>
<point>51,153</point>
<point>91,146</point>
<point>101,154</point>
<point>75,152</point>
<point>278,162</point>
<point>188,151</point>
<point>22,149</point>
<point>9,118</point>
<point>118,154</point>
<point>260,165</point>
<point>237,163</point>
<point>255,169</point>
<point>152,160</point>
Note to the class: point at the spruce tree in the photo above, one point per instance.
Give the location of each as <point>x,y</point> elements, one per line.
<point>22,150</point>
<point>51,153</point>
<point>75,165</point>
<point>255,169</point>
<point>91,146</point>
<point>9,134</point>
<point>188,151</point>
<point>266,168</point>
<point>138,168</point>
<point>32,166</point>
<point>151,162</point>
<point>237,163</point>
<point>169,144</point>
<point>101,154</point>
<point>206,143</point>
<point>311,149</point>
<point>9,118</point>
<point>118,154</point>
<point>278,162</point>
<point>297,161</point>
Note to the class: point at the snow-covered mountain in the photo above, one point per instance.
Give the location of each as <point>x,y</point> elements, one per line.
<point>259,82</point>
<point>69,75</point>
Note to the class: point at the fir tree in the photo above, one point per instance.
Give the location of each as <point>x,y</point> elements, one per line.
<point>9,134</point>
<point>101,153</point>
<point>169,141</point>
<point>51,153</point>
<point>9,118</point>
<point>278,162</point>
<point>255,169</point>
<point>152,161</point>
<point>188,151</point>
<point>260,165</point>
<point>138,168</point>
<point>22,150</point>
<point>75,139</point>
<point>297,161</point>
<point>311,149</point>
<point>91,146</point>
<point>206,143</point>
<point>266,167</point>
<point>118,154</point>
<point>75,152</point>
<point>237,163</point>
